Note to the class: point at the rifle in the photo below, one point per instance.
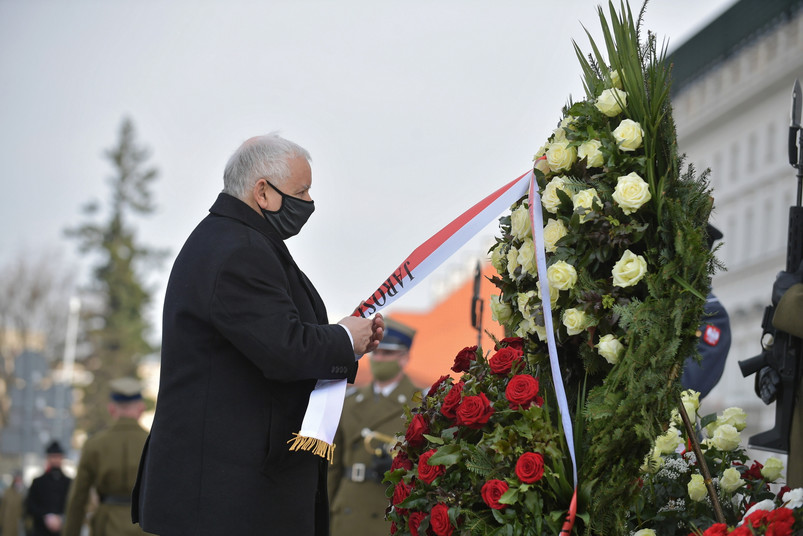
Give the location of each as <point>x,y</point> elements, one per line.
<point>778,366</point>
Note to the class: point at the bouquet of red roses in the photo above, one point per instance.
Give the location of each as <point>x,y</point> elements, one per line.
<point>481,455</point>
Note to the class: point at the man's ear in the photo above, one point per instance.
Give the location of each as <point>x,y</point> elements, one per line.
<point>260,194</point>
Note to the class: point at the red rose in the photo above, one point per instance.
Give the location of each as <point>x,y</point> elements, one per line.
<point>742,530</point>
<point>530,467</point>
<point>415,432</point>
<point>464,358</point>
<point>401,461</point>
<point>521,390</point>
<point>428,473</point>
<point>393,528</point>
<point>718,529</point>
<point>401,492</point>
<point>434,388</point>
<point>491,491</point>
<point>516,343</point>
<point>415,520</point>
<point>474,411</point>
<point>439,520</point>
<point>754,472</point>
<point>452,400</point>
<point>502,361</point>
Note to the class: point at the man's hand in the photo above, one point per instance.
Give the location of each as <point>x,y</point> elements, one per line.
<point>365,332</point>
<point>53,522</point>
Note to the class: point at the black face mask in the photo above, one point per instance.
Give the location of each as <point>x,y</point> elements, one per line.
<point>291,216</point>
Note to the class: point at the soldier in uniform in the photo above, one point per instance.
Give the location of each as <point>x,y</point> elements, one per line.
<point>372,416</point>
<point>714,341</point>
<point>11,508</point>
<point>48,493</point>
<point>109,462</point>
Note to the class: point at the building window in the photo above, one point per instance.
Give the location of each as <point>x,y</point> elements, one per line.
<point>752,148</point>
<point>734,163</point>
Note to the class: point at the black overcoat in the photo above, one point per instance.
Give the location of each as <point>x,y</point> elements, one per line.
<point>245,336</point>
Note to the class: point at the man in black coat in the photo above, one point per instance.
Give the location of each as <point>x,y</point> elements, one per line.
<point>245,338</point>
<point>47,495</point>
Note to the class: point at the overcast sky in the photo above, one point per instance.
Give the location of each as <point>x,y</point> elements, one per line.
<point>412,111</point>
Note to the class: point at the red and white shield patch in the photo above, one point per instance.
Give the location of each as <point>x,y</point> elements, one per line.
<point>711,335</point>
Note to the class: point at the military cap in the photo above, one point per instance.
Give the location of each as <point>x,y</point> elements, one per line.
<point>714,234</point>
<point>788,315</point>
<point>54,448</point>
<point>397,336</point>
<point>125,389</point>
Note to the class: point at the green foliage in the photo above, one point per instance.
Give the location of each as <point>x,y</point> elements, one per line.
<point>117,333</point>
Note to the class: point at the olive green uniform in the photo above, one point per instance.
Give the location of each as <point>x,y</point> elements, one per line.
<point>357,496</point>
<point>109,462</point>
<point>11,512</point>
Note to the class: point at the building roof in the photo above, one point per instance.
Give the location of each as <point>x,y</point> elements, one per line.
<point>742,23</point>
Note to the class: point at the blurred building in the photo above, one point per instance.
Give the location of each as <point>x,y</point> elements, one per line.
<point>732,87</point>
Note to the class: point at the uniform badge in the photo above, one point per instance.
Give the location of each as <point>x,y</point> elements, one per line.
<point>711,335</point>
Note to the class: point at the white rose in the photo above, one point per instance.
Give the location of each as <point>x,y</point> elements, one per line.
<point>526,258</point>
<point>696,488</point>
<point>498,259</point>
<point>628,135</point>
<point>793,498</point>
<point>644,532</point>
<point>735,417</point>
<point>611,102</point>
<point>610,348</point>
<point>726,437</point>
<point>616,79</point>
<point>590,150</point>
<point>731,480</point>
<point>540,331</point>
<point>631,192</point>
<point>560,156</point>
<point>520,226</point>
<point>691,402</point>
<point>772,469</point>
<point>553,231</point>
<point>561,275</point>
<point>549,197</point>
<point>668,442</point>
<point>512,261</point>
<point>584,202</point>
<point>629,269</point>
<point>523,300</point>
<point>575,321</point>
<point>501,311</point>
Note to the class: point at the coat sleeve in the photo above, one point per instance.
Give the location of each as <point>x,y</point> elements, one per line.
<point>252,307</point>
<point>78,497</point>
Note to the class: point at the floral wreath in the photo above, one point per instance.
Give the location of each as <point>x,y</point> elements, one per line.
<point>628,271</point>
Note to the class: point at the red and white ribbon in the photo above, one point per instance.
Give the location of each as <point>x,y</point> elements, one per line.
<point>326,400</point>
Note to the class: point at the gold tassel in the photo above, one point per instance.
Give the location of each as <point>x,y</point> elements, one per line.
<point>319,447</point>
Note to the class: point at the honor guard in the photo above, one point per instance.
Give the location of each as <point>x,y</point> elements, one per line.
<point>372,418</point>
<point>108,465</point>
<point>714,341</point>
